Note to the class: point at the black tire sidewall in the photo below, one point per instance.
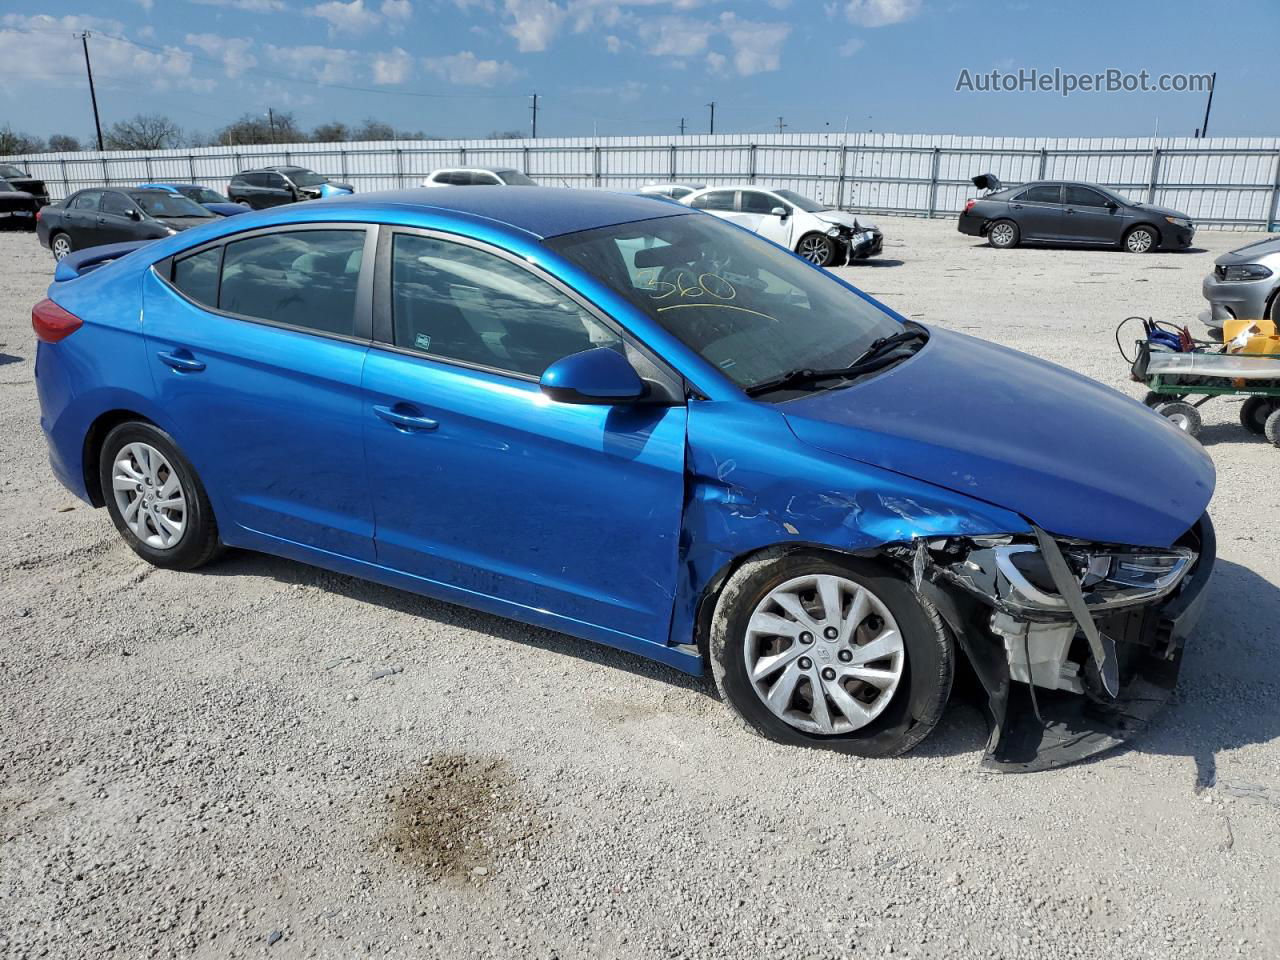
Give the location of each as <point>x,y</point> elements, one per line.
<point>200,535</point>
<point>71,247</point>
<point>1254,412</point>
<point>922,692</point>
<point>1155,239</point>
<point>831,249</point>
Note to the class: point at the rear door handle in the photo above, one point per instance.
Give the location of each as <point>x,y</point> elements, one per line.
<point>181,360</point>
<point>404,420</point>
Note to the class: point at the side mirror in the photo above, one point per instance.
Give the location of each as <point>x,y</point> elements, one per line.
<point>780,212</point>
<point>599,376</point>
<point>1111,205</point>
<point>134,214</point>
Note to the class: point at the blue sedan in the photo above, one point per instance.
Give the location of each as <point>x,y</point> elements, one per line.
<point>211,200</point>
<point>644,426</point>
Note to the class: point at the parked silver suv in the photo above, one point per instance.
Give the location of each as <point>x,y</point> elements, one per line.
<point>1244,283</point>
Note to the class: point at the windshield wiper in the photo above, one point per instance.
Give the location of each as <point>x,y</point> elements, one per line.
<point>881,353</point>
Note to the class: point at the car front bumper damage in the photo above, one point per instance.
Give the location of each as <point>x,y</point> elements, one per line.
<point>1073,708</point>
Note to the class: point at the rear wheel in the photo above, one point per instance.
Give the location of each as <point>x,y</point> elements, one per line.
<point>1141,240</point>
<point>1254,413</point>
<point>835,653</point>
<point>1271,429</point>
<point>1003,234</point>
<point>155,498</point>
<point>817,249</point>
<point>61,245</point>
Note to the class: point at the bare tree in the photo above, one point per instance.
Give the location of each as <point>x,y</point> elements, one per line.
<point>64,143</point>
<point>373,129</point>
<point>333,132</point>
<point>146,131</point>
<point>13,142</point>
<point>505,135</point>
<point>254,128</point>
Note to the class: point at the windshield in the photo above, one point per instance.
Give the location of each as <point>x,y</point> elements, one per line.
<point>9,170</point>
<point>305,178</point>
<point>514,178</point>
<point>746,306</point>
<point>161,203</point>
<point>7,187</point>
<point>202,195</point>
<point>804,203</point>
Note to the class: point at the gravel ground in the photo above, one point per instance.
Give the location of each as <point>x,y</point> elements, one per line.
<point>225,763</point>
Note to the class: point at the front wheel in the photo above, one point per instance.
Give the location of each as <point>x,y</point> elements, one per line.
<point>1255,411</point>
<point>61,246</point>
<point>1141,240</point>
<point>817,249</point>
<point>1184,416</point>
<point>842,654</point>
<point>1003,234</point>
<point>155,499</point>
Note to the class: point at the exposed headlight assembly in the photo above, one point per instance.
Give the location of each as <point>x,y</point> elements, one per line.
<point>1179,221</point>
<point>1245,271</point>
<point>1014,576</point>
<point>833,232</point>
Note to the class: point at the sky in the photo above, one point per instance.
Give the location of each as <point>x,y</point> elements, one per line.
<point>464,68</point>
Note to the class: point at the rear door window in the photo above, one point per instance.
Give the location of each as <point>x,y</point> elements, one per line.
<point>715,200</point>
<point>1044,193</point>
<point>303,278</point>
<point>88,200</point>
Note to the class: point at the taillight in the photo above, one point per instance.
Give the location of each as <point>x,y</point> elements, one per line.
<point>51,323</point>
<point>969,205</point>
<point>39,210</point>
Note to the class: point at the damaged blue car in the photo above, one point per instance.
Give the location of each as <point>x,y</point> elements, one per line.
<point>643,426</point>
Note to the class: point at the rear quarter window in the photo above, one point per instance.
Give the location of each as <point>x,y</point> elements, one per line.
<point>197,276</point>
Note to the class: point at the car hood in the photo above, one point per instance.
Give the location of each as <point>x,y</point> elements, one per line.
<point>184,223</point>
<point>1161,211</point>
<point>1071,455</point>
<point>225,209</point>
<point>845,219</point>
<point>1251,251</point>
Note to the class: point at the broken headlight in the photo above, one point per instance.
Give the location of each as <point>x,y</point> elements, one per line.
<point>1015,576</point>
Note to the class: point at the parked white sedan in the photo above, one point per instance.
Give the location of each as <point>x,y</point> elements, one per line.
<point>821,234</point>
<point>477,177</point>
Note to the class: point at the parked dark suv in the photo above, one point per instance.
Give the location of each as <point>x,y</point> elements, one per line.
<point>1064,212</point>
<point>272,186</point>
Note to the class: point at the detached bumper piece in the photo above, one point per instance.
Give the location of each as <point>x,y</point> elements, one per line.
<point>1068,714</point>
<point>861,245</point>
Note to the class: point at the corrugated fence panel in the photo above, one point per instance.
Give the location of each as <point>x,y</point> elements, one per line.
<point>1231,182</point>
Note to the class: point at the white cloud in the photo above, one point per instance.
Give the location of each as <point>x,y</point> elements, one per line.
<point>672,36</point>
<point>350,17</point>
<point>232,51</point>
<point>757,47</point>
<point>533,23</point>
<point>326,64</point>
<point>716,62</point>
<point>881,13</point>
<point>395,66</point>
<point>251,6</point>
<point>612,44</point>
<point>467,69</point>
<point>850,47</point>
<point>397,12</point>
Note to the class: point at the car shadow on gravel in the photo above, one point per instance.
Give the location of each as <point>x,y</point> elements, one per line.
<point>876,262</point>
<point>244,563</point>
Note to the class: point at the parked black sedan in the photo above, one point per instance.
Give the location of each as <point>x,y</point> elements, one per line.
<point>92,217</point>
<point>18,208</point>
<point>1065,212</point>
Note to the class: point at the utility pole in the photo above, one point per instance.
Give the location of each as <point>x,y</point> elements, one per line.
<point>535,116</point>
<point>1213,81</point>
<point>682,126</point>
<point>780,124</point>
<point>84,39</point>
<point>712,105</point>
<point>271,119</point>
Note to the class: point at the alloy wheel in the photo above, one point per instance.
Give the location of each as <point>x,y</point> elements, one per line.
<point>815,249</point>
<point>824,654</point>
<point>1139,241</point>
<point>1001,235</point>
<point>149,495</point>
<point>61,247</point>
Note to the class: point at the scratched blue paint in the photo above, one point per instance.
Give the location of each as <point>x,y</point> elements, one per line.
<point>605,522</point>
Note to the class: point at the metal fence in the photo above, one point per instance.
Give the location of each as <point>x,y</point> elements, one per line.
<point>1232,183</point>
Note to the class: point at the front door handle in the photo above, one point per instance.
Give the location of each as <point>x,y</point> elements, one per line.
<point>403,420</point>
<point>181,360</point>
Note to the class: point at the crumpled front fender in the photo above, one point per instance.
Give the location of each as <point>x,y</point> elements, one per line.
<point>751,484</point>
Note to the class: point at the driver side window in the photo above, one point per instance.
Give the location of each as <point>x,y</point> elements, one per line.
<point>117,204</point>
<point>755,202</point>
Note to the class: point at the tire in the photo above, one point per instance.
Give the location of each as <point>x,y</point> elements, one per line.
<point>1254,413</point>
<point>129,453</point>
<point>1153,399</point>
<point>817,249</point>
<point>1004,235</point>
<point>244,203</point>
<point>1271,429</point>
<point>1273,311</point>
<point>891,715</point>
<point>60,245</point>
<point>1141,239</point>
<point>1184,416</point>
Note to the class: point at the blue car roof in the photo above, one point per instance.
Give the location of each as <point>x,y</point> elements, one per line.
<point>172,187</point>
<point>540,211</point>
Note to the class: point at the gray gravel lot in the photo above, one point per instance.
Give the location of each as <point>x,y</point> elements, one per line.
<point>204,764</point>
